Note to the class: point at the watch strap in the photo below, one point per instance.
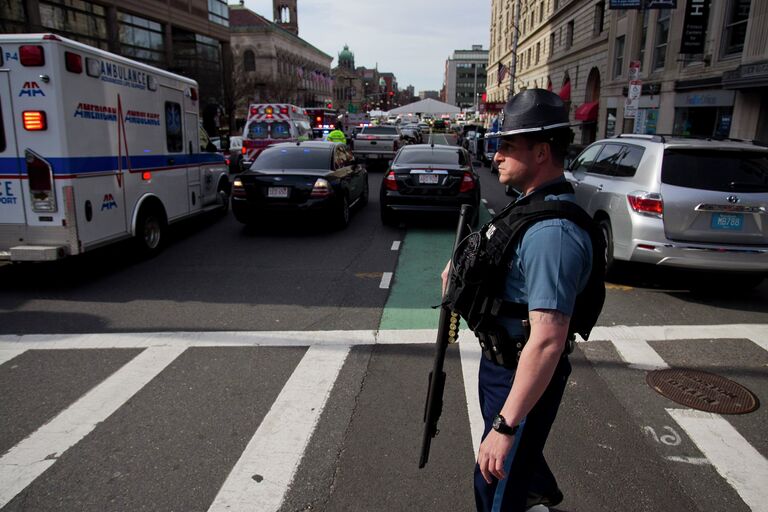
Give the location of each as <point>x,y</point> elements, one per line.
<point>500,426</point>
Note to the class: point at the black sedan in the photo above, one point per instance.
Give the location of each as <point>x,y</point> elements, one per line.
<point>429,178</point>
<point>310,177</point>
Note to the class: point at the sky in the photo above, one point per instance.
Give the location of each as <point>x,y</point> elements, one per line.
<point>410,38</point>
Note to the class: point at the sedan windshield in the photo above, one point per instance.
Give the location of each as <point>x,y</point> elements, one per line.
<point>293,158</point>
<point>431,157</point>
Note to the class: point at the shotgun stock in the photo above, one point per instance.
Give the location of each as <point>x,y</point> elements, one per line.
<point>447,330</point>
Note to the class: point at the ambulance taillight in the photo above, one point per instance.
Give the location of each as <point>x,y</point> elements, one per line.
<point>40,177</point>
<point>34,120</point>
<point>73,62</point>
<point>31,55</point>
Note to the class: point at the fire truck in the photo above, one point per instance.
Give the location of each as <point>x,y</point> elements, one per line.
<point>325,118</point>
<point>273,123</point>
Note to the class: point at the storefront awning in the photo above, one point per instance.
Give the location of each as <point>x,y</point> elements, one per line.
<point>587,111</point>
<point>565,92</point>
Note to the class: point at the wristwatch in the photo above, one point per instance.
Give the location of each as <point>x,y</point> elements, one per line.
<point>500,426</point>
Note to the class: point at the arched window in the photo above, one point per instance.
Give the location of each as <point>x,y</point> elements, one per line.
<point>249,61</point>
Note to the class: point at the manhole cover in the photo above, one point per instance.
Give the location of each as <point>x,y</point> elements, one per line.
<point>703,391</point>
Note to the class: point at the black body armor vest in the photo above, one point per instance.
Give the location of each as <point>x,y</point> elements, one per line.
<point>480,264</point>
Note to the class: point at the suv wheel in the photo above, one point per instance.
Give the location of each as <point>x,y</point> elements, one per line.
<point>605,228</point>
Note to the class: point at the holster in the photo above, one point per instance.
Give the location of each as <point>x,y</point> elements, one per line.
<point>499,347</point>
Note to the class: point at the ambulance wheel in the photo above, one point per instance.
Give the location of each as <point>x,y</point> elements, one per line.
<point>150,231</point>
<point>223,197</point>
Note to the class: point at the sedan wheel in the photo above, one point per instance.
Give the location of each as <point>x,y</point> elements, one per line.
<point>342,215</point>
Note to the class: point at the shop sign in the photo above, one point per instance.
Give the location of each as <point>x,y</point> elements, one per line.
<point>695,26</point>
<point>646,121</point>
<point>705,99</point>
<point>642,4</point>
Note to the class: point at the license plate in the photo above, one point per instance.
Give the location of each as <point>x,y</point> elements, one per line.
<point>430,179</point>
<point>728,221</point>
<point>278,192</point>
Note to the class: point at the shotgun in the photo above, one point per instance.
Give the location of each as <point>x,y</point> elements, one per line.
<point>447,330</point>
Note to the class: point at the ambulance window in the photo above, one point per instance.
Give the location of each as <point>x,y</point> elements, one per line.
<point>257,131</point>
<point>174,136</point>
<point>281,131</point>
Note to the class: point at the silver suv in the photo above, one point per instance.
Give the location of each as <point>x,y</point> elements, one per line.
<point>678,202</point>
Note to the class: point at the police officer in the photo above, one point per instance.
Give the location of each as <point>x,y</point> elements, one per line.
<point>549,267</point>
<point>337,136</point>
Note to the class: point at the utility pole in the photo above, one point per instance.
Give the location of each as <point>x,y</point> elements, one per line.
<point>513,63</point>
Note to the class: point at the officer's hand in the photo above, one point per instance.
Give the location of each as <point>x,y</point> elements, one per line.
<point>493,453</point>
<point>444,276</point>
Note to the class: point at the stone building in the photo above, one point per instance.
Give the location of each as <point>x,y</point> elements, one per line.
<point>562,46</point>
<point>188,37</point>
<point>717,87</point>
<point>272,63</point>
<point>348,89</point>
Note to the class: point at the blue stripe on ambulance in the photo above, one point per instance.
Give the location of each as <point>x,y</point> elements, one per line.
<point>95,164</point>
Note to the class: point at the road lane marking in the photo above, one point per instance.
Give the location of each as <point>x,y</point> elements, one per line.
<point>386,280</point>
<point>470,352</point>
<point>184,339</point>
<point>396,245</point>
<point>262,475</point>
<point>9,353</point>
<point>639,354</point>
<point>743,467</point>
<point>23,463</point>
<point>696,461</point>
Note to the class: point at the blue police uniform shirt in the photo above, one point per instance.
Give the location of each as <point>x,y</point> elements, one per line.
<point>550,266</point>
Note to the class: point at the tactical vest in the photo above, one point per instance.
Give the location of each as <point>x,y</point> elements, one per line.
<point>481,263</point>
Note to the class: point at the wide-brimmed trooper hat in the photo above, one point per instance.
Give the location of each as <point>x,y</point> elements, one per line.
<point>532,110</point>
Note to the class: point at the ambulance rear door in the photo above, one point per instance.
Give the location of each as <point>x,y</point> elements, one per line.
<point>11,197</point>
<point>194,170</point>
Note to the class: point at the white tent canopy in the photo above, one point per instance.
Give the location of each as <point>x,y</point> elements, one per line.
<point>427,106</point>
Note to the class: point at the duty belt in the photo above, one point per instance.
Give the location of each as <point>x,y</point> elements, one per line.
<point>504,350</point>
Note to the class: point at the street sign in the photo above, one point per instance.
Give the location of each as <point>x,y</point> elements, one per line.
<point>633,99</point>
<point>634,70</point>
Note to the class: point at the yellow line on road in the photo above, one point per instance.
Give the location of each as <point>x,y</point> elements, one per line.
<point>620,287</point>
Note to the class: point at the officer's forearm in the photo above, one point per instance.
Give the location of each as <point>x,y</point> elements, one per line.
<point>537,364</point>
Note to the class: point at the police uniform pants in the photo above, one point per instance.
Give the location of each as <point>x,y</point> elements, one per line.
<point>525,466</point>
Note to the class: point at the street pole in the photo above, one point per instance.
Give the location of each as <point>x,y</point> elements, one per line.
<point>474,91</point>
<point>513,63</point>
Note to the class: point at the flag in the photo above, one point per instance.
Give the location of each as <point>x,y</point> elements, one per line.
<point>502,73</point>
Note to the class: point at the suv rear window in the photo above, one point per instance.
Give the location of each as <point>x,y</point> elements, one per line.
<point>425,156</point>
<point>380,130</point>
<point>296,157</point>
<point>724,171</point>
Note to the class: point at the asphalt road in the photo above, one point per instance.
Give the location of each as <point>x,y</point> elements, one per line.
<point>284,369</point>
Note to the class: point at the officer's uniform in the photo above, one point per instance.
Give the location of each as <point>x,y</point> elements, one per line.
<point>337,136</point>
<point>550,266</point>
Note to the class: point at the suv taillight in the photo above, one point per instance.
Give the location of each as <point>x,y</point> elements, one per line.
<point>321,189</point>
<point>40,177</point>
<point>390,182</point>
<point>646,203</point>
<point>467,182</point>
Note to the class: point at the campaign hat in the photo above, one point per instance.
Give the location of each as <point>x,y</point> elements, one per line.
<point>532,110</point>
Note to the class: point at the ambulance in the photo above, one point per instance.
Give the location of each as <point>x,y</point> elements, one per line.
<point>273,123</point>
<point>96,148</point>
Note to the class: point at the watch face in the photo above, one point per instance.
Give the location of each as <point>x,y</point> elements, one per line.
<point>496,422</point>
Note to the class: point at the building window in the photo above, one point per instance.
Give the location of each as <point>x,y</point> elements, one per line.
<point>599,17</point>
<point>551,44</point>
<point>618,59</point>
<point>141,39</point>
<point>569,35</point>
<point>249,61</point>
<point>643,37</point>
<point>529,57</point>
<point>218,12</point>
<point>538,52</point>
<point>541,12</point>
<point>13,18</point>
<point>77,19</point>
<point>662,35</point>
<point>735,26</point>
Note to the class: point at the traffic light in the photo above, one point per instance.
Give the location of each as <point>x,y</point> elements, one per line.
<point>330,105</point>
<point>391,93</point>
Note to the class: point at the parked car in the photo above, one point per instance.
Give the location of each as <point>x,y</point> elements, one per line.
<point>429,178</point>
<point>312,177</point>
<point>678,202</point>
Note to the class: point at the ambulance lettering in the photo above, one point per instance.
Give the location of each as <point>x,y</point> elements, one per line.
<point>108,203</point>
<point>11,56</point>
<point>121,75</point>
<point>31,89</point>
<point>147,118</point>
<point>96,112</point>
<point>6,193</point>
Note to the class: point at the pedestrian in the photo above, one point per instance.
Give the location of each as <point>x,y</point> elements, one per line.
<point>545,275</point>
